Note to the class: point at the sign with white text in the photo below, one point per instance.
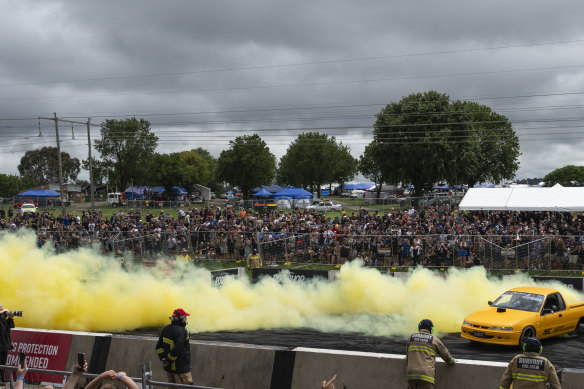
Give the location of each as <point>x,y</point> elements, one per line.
<point>44,350</point>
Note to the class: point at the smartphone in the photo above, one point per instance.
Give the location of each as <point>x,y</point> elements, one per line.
<point>21,359</point>
<point>81,360</point>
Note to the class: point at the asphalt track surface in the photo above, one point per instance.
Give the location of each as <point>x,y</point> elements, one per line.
<point>564,351</point>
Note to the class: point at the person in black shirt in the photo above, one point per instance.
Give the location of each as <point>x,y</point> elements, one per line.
<point>173,349</point>
<point>6,324</point>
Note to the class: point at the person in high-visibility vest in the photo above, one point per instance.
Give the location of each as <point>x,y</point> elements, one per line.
<point>254,260</point>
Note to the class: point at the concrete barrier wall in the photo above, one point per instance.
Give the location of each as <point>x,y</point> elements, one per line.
<point>240,366</point>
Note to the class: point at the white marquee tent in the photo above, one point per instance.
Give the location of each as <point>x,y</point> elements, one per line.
<point>556,198</point>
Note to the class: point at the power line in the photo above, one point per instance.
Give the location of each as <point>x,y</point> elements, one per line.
<point>396,56</point>
<point>324,83</point>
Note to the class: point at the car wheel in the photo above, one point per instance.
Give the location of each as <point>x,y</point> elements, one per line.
<point>580,327</point>
<point>528,332</point>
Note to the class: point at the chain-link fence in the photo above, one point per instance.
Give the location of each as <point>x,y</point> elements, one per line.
<point>533,252</point>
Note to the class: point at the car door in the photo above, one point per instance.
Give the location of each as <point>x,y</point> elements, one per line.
<point>553,320</point>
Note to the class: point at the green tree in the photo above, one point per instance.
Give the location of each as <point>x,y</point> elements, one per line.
<point>569,175</point>
<point>371,165</point>
<point>212,182</point>
<point>126,147</point>
<point>166,170</point>
<point>11,185</point>
<point>43,165</point>
<point>415,139</point>
<point>431,139</point>
<point>198,168</point>
<point>345,168</point>
<point>100,170</point>
<point>247,163</point>
<point>487,150</point>
<point>314,159</point>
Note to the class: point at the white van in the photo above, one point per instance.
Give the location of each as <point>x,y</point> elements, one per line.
<point>113,199</point>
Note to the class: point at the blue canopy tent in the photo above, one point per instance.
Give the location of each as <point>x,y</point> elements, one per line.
<point>39,195</point>
<point>362,186</point>
<point>293,193</point>
<point>262,193</point>
<point>177,193</point>
<point>157,189</point>
<point>229,192</point>
<point>135,192</point>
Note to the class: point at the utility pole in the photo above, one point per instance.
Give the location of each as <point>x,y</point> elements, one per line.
<point>91,186</point>
<point>59,156</point>
<point>60,166</point>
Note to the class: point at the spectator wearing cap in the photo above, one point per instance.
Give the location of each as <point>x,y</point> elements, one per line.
<point>173,349</point>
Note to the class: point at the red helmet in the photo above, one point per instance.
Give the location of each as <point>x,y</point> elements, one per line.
<point>179,313</point>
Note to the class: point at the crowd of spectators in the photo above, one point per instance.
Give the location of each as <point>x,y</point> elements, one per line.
<point>430,236</point>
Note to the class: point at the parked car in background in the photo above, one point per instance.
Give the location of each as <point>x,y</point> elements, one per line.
<point>325,206</point>
<point>196,199</point>
<point>57,202</point>
<point>115,199</point>
<point>18,204</point>
<point>357,194</point>
<point>28,208</point>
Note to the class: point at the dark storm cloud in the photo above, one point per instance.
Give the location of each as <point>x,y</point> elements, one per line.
<point>216,69</point>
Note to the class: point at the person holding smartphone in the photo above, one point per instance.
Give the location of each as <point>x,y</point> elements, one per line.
<point>6,324</point>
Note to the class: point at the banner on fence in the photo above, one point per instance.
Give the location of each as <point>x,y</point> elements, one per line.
<point>218,276</point>
<point>296,275</point>
<point>573,282</point>
<point>44,350</point>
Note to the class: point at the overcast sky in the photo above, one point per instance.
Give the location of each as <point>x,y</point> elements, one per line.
<point>203,72</point>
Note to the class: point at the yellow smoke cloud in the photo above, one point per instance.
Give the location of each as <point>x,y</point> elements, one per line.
<point>86,291</point>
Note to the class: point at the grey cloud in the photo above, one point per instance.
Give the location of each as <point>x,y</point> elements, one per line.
<point>253,63</point>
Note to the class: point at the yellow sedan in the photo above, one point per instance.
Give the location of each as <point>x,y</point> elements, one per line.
<point>523,312</point>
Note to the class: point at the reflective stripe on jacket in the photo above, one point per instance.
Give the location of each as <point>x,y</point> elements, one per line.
<point>421,352</point>
<point>530,371</point>
<point>173,344</point>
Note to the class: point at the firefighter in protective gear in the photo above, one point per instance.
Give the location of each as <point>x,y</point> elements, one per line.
<point>421,351</point>
<point>530,370</point>
<point>254,260</point>
<point>173,349</point>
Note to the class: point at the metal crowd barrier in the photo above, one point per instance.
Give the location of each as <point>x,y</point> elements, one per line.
<point>145,381</point>
<point>531,252</point>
